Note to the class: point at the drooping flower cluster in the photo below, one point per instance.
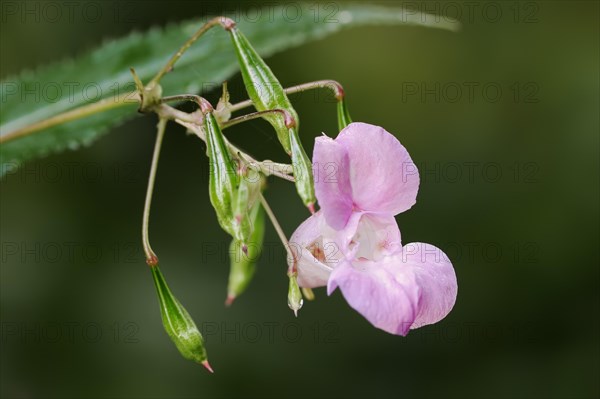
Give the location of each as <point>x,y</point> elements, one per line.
<point>363,179</point>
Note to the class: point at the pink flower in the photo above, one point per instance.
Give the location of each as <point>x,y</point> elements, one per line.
<point>362,179</point>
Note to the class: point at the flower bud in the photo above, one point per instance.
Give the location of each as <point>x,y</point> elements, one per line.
<point>223,111</point>
<point>308,294</point>
<point>178,323</point>
<point>295,300</point>
<point>243,264</point>
<point>266,93</point>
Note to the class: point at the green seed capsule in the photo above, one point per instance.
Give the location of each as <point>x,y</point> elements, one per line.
<point>262,86</point>
<point>295,300</point>
<point>302,172</point>
<point>266,93</point>
<point>242,225</point>
<point>243,265</point>
<point>343,115</point>
<point>178,323</point>
<point>247,192</point>
<point>223,178</point>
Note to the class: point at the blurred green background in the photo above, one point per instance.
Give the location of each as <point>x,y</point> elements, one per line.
<point>502,120</point>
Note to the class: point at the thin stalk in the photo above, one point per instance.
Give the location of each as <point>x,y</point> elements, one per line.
<point>278,229</point>
<point>204,105</point>
<point>225,22</point>
<point>126,99</point>
<point>289,119</point>
<point>151,258</point>
<point>335,87</point>
<point>166,112</point>
<point>269,171</point>
<point>77,113</point>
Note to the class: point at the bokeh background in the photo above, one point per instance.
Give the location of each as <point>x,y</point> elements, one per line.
<point>502,120</point>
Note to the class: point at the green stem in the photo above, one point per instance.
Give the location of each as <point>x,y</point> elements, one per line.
<point>233,150</point>
<point>77,113</point>
<point>335,87</point>
<point>225,22</point>
<point>151,258</point>
<point>289,119</point>
<point>204,105</point>
<point>129,98</point>
<point>278,228</point>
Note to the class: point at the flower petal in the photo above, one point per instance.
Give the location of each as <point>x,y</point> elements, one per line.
<point>374,236</point>
<point>312,252</point>
<point>383,177</point>
<point>332,181</point>
<point>385,296</point>
<point>436,279</point>
<point>408,289</point>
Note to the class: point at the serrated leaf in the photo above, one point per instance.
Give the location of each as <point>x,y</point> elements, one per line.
<point>35,96</point>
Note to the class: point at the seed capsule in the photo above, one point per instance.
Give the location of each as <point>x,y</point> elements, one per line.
<point>295,300</point>
<point>246,194</point>
<point>262,86</point>
<point>302,171</point>
<point>266,93</point>
<point>343,115</point>
<point>223,178</point>
<point>178,323</point>
<point>243,264</point>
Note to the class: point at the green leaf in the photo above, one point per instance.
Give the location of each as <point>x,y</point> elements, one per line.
<point>35,96</point>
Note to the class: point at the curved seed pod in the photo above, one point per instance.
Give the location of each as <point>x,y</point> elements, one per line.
<point>266,93</point>
<point>178,323</point>
<point>243,265</point>
<point>223,178</point>
<point>262,86</point>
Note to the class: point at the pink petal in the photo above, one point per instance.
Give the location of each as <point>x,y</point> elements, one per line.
<point>332,181</point>
<point>383,177</point>
<point>409,289</point>
<point>318,249</point>
<point>436,279</point>
<point>311,252</point>
<point>374,235</point>
<point>384,295</point>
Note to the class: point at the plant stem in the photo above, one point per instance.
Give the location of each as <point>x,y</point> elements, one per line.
<point>129,98</point>
<point>269,171</point>
<point>335,87</point>
<point>77,113</point>
<point>289,119</point>
<point>151,258</point>
<point>278,229</point>
<point>225,22</point>
<point>202,103</point>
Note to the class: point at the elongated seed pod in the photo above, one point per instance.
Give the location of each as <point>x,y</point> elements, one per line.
<point>223,177</point>
<point>178,323</point>
<point>243,265</point>
<point>267,93</point>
